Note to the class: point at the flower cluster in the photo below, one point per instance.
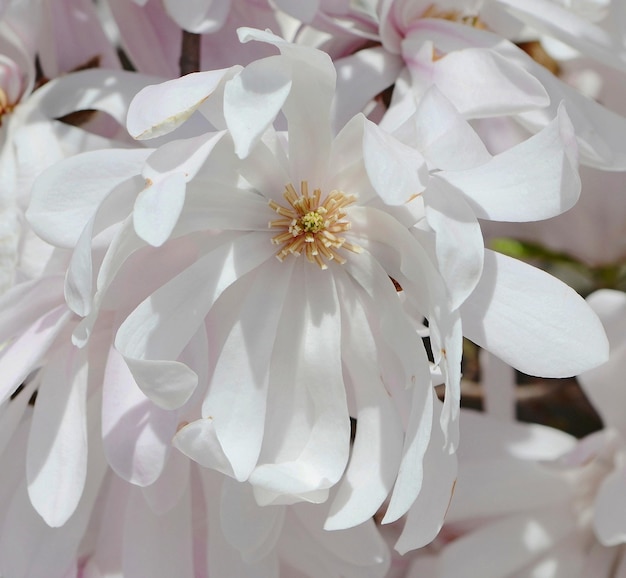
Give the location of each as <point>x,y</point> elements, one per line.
<point>242,253</point>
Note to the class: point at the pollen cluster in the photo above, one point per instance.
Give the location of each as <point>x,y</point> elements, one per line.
<point>5,106</point>
<point>311,226</point>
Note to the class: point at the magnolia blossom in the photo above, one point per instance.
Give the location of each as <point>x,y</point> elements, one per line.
<point>450,45</point>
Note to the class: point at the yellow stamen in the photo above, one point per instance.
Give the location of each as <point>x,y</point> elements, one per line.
<point>311,225</point>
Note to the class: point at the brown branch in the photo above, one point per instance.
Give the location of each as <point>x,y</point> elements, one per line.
<point>189,53</point>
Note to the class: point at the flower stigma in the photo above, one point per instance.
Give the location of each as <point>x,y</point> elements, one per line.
<point>312,226</point>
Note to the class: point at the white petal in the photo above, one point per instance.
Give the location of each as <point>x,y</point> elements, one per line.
<point>151,548</point>
<point>253,99</point>
<point>66,196</point>
<point>398,172</point>
<point>158,207</point>
<point>426,515</point>
<point>252,529</point>
<point>157,331</point>
<point>445,139</point>
<point>411,474</point>
<point>376,451</point>
<point>459,242</point>
<point>236,397</point>
<point>56,462</point>
<point>136,434</point>
<point>159,109</point>
<point>534,180</point>
<point>532,321</point>
<point>23,355</point>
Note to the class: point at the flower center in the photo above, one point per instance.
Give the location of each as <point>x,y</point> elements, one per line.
<point>313,226</point>
<point>6,107</point>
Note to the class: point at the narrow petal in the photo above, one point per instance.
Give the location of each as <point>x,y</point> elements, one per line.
<point>25,353</point>
<point>158,207</point>
<point>458,243</point>
<point>532,321</point>
<point>159,109</point>
<point>236,397</point>
<point>397,172</point>
<point>153,336</point>
<point>56,462</point>
<point>426,515</point>
<point>253,99</point>
<point>377,447</point>
<point>136,434</point>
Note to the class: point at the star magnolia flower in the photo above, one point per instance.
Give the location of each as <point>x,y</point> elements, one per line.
<point>219,190</point>
<point>329,335</point>
<point>425,44</point>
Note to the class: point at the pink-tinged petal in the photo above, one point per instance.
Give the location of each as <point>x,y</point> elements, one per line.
<point>106,560</point>
<point>68,194</point>
<point>251,529</point>
<point>114,208</point>
<point>149,36</point>
<point>159,109</point>
<point>188,156</point>
<point>377,447</point>
<point>609,512</point>
<point>313,414</point>
<point>397,172</point>
<point>497,439</point>
<point>198,441</point>
<point>506,88</point>
<point>459,245</point>
<point>514,542</point>
<point>308,107</point>
<point>199,16</point>
<point>236,398</point>
<point>598,129</point>
<point>446,140</point>
<point>158,207</point>
<point>170,487</point>
<point>56,461</point>
<point>12,412</point>
<point>151,547</point>
<point>109,91</point>
<point>411,474</point>
<point>136,433</point>
<point>253,99</point>
<point>23,304</point>
<point>532,321</point>
<point>23,355</point>
<point>153,336</point>
<point>534,180</point>
<point>566,25</point>
<point>360,77</point>
<point>303,10</point>
<point>346,167</point>
<point>222,558</point>
<point>601,385</point>
<point>358,552</point>
<point>426,515</point>
<point>73,37</point>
